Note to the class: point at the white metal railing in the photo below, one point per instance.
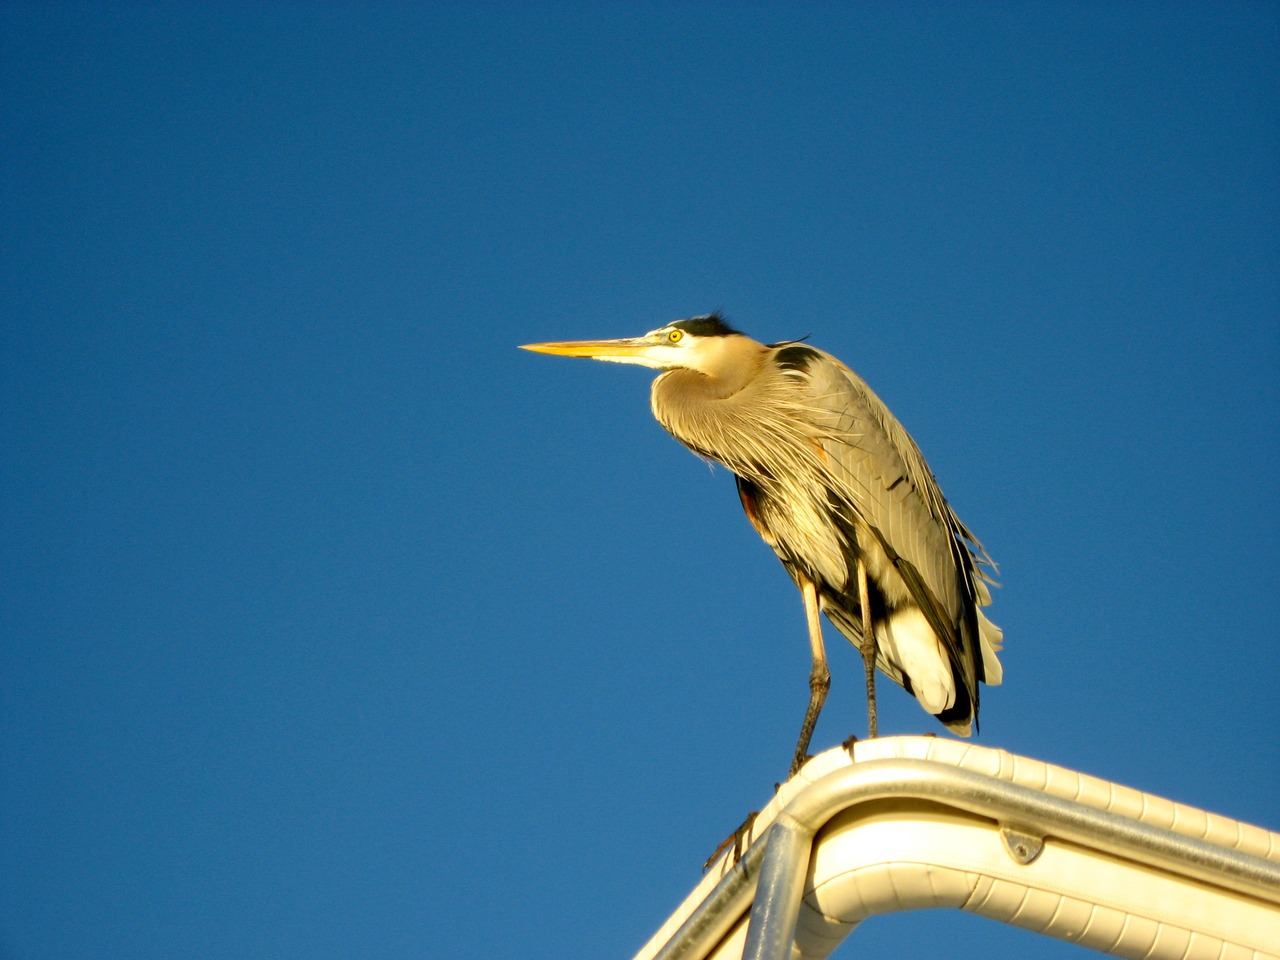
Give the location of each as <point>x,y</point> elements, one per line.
<point>910,822</point>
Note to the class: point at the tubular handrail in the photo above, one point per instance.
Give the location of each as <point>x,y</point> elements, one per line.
<point>771,874</point>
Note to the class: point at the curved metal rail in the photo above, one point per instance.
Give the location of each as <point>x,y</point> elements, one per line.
<point>919,822</point>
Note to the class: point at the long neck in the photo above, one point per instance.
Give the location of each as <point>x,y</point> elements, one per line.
<point>710,413</point>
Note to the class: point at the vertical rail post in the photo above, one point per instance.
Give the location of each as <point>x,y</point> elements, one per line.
<point>776,908</point>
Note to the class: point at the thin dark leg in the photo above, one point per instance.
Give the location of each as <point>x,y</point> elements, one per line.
<point>868,649</point>
<point>819,676</point>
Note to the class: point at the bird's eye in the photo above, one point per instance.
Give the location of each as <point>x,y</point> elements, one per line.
<point>675,336</point>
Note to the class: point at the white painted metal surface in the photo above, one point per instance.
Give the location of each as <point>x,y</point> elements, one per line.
<point>912,822</point>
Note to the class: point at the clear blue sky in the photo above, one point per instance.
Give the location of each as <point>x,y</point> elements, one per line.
<point>333,625</point>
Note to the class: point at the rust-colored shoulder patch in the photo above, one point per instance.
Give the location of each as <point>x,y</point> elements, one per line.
<point>749,495</point>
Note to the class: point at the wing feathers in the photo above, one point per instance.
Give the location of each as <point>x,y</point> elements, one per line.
<point>893,494</point>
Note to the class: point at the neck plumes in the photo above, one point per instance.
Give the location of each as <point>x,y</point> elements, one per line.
<point>725,414</point>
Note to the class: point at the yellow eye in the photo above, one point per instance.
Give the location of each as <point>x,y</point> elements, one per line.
<point>675,336</point>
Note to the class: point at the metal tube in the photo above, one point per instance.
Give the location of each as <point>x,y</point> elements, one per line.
<point>776,906</point>
<point>729,899</point>
<point>1068,819</point>
<point>963,790</point>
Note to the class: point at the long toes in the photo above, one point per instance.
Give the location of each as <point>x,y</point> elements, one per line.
<point>737,840</point>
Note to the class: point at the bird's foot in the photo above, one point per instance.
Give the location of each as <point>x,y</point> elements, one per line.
<point>800,760</point>
<point>848,745</point>
<point>736,840</point>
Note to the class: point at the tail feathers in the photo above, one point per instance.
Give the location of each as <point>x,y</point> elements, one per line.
<point>907,639</point>
<point>961,728</point>
<point>911,654</point>
<point>990,639</point>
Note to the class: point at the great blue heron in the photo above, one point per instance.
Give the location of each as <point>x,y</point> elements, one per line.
<point>840,491</point>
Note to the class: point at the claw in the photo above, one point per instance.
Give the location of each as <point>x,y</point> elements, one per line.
<point>735,840</point>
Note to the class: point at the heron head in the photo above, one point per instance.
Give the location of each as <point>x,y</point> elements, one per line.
<point>698,343</point>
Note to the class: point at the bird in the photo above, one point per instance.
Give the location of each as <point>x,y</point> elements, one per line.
<point>840,491</point>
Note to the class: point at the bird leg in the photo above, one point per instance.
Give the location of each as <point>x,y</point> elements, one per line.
<point>819,676</point>
<point>869,652</point>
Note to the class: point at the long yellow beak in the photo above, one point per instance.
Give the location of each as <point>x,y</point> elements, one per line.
<point>598,349</point>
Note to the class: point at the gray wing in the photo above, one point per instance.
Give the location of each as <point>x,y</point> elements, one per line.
<point>888,487</point>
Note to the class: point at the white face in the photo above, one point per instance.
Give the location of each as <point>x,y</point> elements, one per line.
<point>714,356</point>
<point>664,349</point>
